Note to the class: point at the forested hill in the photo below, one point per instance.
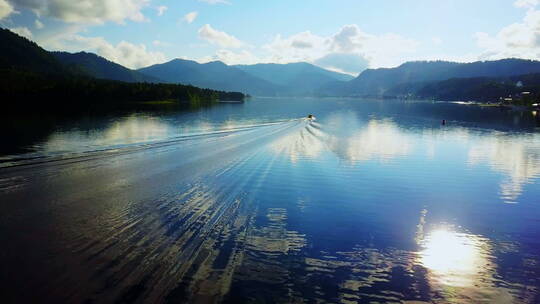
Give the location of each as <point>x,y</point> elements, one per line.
<point>95,66</point>
<point>17,52</point>
<point>32,79</point>
<point>29,72</point>
<point>477,80</point>
<point>484,88</point>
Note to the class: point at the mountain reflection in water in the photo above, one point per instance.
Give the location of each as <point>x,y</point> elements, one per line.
<point>373,202</point>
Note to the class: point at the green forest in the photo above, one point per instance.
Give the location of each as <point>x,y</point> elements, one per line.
<point>24,90</point>
<point>32,80</point>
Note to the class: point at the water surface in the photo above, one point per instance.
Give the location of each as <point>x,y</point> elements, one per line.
<point>375,201</point>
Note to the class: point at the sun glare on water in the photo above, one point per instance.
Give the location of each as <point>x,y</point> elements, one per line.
<point>455,259</point>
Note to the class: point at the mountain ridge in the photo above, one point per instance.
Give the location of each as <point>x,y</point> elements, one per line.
<point>214,75</point>
<point>99,67</point>
<point>299,78</point>
<point>293,79</point>
<point>34,80</point>
<point>378,82</point>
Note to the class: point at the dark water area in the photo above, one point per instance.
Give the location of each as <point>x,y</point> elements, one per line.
<point>374,201</point>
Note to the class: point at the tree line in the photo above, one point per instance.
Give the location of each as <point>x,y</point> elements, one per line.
<point>27,90</point>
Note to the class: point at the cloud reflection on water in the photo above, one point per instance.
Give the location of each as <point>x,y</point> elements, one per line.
<point>206,237</point>
<point>275,238</point>
<point>379,139</point>
<point>516,156</point>
<point>348,138</point>
<point>129,130</point>
<point>307,143</point>
<point>344,135</point>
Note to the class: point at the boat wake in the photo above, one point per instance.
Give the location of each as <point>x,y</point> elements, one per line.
<point>257,130</point>
<point>164,221</point>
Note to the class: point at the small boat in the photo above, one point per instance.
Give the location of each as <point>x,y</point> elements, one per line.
<point>310,117</point>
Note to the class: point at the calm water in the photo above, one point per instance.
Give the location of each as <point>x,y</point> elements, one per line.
<point>374,201</point>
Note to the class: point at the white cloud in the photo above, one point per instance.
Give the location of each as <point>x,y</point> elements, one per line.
<point>86,11</point>
<point>215,1</point>
<point>125,53</point>
<point>229,57</point>
<point>349,50</point>
<point>436,40</point>
<point>519,40</point>
<point>22,31</point>
<point>387,50</point>
<point>160,43</point>
<point>348,39</point>
<point>190,17</point>
<point>303,46</point>
<point>38,24</point>
<point>343,63</point>
<point>219,38</point>
<point>5,9</point>
<point>161,10</point>
<point>526,3</point>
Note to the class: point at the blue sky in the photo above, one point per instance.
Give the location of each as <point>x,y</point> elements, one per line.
<point>344,35</point>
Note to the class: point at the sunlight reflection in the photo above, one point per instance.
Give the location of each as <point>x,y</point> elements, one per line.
<point>460,266</point>
<point>456,259</point>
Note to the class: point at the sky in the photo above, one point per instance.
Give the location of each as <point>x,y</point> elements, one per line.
<point>341,35</point>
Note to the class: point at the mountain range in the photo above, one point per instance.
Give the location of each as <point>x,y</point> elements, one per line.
<point>293,79</point>
<point>35,80</point>
<point>215,75</point>
<point>99,67</point>
<point>421,79</point>
<point>411,77</point>
<point>304,79</point>
<point>299,78</point>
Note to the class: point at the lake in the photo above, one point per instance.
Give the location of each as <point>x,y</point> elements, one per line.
<point>374,201</point>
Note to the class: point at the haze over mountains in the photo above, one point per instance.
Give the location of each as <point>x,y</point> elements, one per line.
<point>211,75</point>
<point>299,79</point>
<point>421,79</point>
<point>412,79</point>
<point>296,78</point>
